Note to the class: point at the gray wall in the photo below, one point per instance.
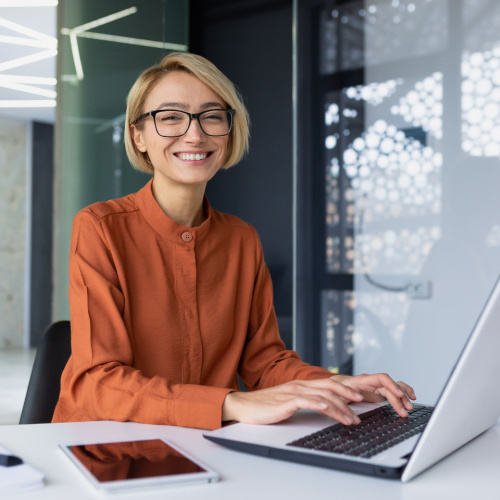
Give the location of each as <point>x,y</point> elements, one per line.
<point>14,161</point>
<point>251,42</point>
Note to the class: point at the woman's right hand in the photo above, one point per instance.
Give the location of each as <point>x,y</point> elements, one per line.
<point>269,406</point>
<point>330,396</point>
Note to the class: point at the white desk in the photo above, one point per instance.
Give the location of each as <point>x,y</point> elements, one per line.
<point>472,472</point>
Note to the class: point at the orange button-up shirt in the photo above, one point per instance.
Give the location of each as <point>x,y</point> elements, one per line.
<point>164,317</point>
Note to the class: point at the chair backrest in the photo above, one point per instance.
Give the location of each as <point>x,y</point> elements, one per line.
<point>45,380</point>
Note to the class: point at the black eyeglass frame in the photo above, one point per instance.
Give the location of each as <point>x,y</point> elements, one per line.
<point>191,116</point>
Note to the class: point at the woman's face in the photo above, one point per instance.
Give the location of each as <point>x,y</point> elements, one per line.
<point>171,156</point>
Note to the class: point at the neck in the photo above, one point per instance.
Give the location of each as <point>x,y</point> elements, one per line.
<point>182,204</point>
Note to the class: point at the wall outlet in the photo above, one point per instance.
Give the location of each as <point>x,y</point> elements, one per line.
<point>419,289</point>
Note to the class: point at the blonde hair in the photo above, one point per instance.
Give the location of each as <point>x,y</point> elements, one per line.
<point>206,72</point>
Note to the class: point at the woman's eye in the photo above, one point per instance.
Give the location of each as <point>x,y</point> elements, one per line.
<point>213,117</point>
<point>170,117</point>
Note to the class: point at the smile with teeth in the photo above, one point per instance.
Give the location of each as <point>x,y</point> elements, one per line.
<point>192,157</point>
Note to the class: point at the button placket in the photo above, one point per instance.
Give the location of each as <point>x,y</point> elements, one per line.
<point>186,291</point>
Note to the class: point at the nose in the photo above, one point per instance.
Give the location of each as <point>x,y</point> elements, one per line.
<point>194,132</point>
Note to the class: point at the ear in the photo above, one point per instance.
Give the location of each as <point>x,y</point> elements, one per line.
<point>137,137</point>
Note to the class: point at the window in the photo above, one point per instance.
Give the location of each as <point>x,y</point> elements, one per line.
<point>396,181</point>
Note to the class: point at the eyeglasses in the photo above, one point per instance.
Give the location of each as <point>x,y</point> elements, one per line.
<point>175,123</point>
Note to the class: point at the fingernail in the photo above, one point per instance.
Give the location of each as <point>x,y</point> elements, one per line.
<point>357,420</point>
<point>358,395</point>
<point>404,412</point>
<point>323,405</point>
<point>348,419</point>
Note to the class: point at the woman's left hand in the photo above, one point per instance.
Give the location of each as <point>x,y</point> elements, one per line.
<point>381,387</point>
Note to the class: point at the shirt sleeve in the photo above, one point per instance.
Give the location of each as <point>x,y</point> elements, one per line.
<point>100,378</point>
<point>265,361</point>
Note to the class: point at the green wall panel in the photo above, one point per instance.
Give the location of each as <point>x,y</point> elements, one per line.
<point>103,47</point>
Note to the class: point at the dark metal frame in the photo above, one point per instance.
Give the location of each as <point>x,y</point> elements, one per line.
<point>196,116</point>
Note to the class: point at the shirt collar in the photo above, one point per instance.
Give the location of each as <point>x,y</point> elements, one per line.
<point>164,225</point>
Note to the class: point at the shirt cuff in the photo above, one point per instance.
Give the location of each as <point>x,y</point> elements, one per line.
<point>200,406</point>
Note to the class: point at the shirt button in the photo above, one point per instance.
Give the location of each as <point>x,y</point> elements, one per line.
<point>187,236</point>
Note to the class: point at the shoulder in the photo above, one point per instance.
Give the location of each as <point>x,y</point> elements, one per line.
<point>232,224</point>
<point>99,221</point>
<point>236,234</point>
<point>104,209</point>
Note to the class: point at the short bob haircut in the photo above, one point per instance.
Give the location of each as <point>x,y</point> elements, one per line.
<point>206,72</point>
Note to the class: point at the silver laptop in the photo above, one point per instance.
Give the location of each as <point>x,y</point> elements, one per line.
<point>465,409</point>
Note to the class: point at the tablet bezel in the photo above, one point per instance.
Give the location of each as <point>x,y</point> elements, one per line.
<point>207,476</point>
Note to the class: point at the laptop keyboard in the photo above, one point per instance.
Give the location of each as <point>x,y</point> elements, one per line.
<point>379,430</point>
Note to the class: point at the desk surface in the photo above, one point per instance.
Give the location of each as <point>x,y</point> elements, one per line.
<point>470,473</point>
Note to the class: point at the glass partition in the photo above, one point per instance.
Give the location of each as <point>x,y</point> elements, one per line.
<point>103,47</point>
<point>402,102</point>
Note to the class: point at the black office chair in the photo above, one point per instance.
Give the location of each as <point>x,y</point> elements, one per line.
<point>45,380</point>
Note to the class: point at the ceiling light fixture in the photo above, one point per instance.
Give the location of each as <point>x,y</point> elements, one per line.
<point>76,56</point>
<point>131,41</point>
<point>21,87</point>
<point>22,61</point>
<point>74,32</point>
<point>37,35</point>
<point>33,80</point>
<point>45,103</point>
<point>105,20</point>
<point>28,3</point>
<point>39,44</point>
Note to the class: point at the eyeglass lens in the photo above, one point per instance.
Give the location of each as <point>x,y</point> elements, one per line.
<point>171,123</point>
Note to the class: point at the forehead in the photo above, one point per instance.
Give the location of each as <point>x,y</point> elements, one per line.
<point>180,87</point>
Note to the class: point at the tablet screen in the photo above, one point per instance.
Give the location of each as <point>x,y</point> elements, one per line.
<point>124,461</point>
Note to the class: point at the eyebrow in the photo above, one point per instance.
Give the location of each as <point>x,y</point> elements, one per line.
<point>180,105</point>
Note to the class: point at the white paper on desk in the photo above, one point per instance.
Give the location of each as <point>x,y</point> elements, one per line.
<point>18,477</point>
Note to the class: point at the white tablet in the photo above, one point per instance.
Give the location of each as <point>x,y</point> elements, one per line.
<point>137,464</point>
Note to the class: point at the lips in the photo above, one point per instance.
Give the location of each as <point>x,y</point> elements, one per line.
<point>192,156</point>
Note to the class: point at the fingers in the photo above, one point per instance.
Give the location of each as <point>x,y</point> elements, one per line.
<point>327,387</point>
<point>401,404</point>
<point>397,394</point>
<point>328,397</point>
<point>408,390</point>
<point>387,383</point>
<point>381,387</point>
<point>339,411</point>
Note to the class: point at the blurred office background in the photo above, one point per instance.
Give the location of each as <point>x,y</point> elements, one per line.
<point>372,176</point>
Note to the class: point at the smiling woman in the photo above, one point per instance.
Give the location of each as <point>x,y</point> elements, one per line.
<point>171,300</point>
<point>190,67</point>
<point>184,153</point>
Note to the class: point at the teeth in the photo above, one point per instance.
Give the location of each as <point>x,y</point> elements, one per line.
<point>191,157</point>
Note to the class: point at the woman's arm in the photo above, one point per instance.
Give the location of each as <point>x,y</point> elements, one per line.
<point>280,383</point>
